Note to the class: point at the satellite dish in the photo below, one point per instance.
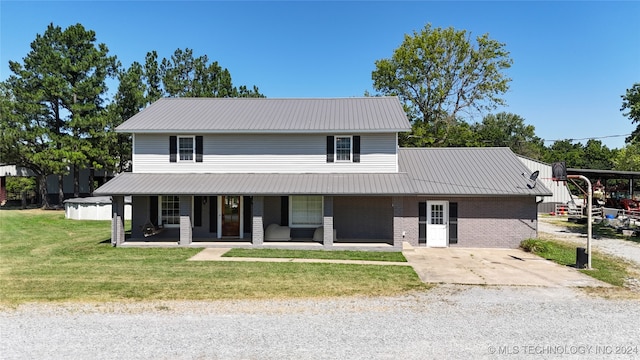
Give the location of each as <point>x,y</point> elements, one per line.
<point>534,176</point>
<point>532,179</point>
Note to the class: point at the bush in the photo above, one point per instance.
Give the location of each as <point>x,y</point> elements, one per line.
<point>534,246</point>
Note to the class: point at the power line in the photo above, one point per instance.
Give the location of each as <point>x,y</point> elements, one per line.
<point>588,138</point>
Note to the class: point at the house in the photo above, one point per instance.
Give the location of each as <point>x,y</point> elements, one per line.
<point>307,173</point>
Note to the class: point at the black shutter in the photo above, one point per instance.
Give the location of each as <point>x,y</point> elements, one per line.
<point>247,211</point>
<point>284,211</point>
<point>153,210</point>
<point>356,149</point>
<point>197,211</point>
<point>198,148</point>
<point>330,149</point>
<point>213,214</point>
<point>422,223</point>
<point>173,148</point>
<point>453,223</point>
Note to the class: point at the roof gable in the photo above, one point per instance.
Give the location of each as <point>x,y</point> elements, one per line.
<point>467,171</point>
<point>263,115</point>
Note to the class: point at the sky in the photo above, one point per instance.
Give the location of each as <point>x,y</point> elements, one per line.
<point>572,61</point>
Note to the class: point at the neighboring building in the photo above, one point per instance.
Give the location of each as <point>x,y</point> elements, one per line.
<point>312,172</point>
<point>559,190</point>
<point>6,170</point>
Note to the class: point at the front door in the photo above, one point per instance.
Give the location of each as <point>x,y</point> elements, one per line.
<point>231,213</point>
<point>437,223</point>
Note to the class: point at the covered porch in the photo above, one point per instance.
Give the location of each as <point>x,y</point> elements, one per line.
<point>328,211</point>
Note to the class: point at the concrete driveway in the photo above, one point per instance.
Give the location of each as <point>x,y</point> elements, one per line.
<point>492,267</point>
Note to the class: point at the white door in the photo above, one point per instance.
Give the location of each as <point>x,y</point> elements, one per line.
<point>437,223</point>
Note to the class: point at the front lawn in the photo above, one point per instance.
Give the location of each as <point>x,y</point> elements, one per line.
<point>44,257</point>
<point>318,254</point>
<point>604,267</point>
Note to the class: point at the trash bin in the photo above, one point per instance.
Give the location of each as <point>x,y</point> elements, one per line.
<point>581,258</point>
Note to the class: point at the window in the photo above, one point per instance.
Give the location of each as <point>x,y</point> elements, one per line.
<point>170,210</point>
<point>306,211</point>
<point>343,148</point>
<point>186,148</point>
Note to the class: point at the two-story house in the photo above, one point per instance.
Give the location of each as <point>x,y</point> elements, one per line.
<point>312,172</point>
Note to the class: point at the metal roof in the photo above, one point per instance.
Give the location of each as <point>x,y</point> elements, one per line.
<point>468,171</point>
<point>257,184</point>
<point>263,115</point>
<point>423,171</point>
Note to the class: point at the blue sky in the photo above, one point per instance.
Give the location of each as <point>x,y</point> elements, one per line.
<point>572,60</point>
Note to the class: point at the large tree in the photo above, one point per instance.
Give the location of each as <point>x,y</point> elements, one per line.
<point>56,95</point>
<point>628,158</point>
<point>184,75</point>
<point>506,129</point>
<point>440,74</point>
<point>631,103</point>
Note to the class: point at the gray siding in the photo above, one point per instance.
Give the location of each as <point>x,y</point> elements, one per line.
<point>265,153</point>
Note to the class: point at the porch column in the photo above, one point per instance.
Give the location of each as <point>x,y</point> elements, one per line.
<point>257,227</point>
<point>117,220</point>
<point>398,228</point>
<point>185,220</point>
<point>327,222</point>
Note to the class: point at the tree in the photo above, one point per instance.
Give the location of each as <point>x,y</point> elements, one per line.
<point>567,151</point>
<point>628,158</point>
<point>598,156</point>
<point>631,103</point>
<point>184,75</point>
<point>56,97</point>
<point>439,74</point>
<point>506,129</point>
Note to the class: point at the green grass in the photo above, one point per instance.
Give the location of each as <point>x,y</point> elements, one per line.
<point>318,254</point>
<point>604,267</point>
<point>44,257</point>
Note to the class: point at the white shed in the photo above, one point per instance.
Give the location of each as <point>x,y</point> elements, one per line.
<point>93,208</point>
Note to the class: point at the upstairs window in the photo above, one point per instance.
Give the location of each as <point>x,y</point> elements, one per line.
<point>343,148</point>
<point>185,148</point>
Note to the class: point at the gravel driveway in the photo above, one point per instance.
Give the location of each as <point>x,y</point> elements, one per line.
<point>449,321</point>
<point>625,249</point>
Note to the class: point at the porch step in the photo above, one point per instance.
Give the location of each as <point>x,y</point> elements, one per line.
<point>407,247</point>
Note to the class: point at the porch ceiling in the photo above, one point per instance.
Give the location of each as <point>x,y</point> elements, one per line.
<point>258,184</point>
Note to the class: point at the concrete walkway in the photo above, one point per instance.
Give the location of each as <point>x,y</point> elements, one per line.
<point>457,266</point>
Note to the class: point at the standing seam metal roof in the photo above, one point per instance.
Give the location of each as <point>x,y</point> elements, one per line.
<point>423,171</point>
<point>261,115</point>
<point>468,171</point>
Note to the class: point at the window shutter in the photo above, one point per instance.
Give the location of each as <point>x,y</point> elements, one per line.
<point>284,211</point>
<point>197,210</point>
<point>153,210</point>
<point>453,223</point>
<point>356,149</point>
<point>173,148</point>
<point>213,214</point>
<point>422,223</point>
<point>330,149</point>
<point>198,148</point>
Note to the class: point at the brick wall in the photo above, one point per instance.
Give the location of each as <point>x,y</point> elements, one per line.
<point>501,222</point>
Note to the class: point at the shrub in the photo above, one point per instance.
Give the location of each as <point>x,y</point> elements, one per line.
<point>534,246</point>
